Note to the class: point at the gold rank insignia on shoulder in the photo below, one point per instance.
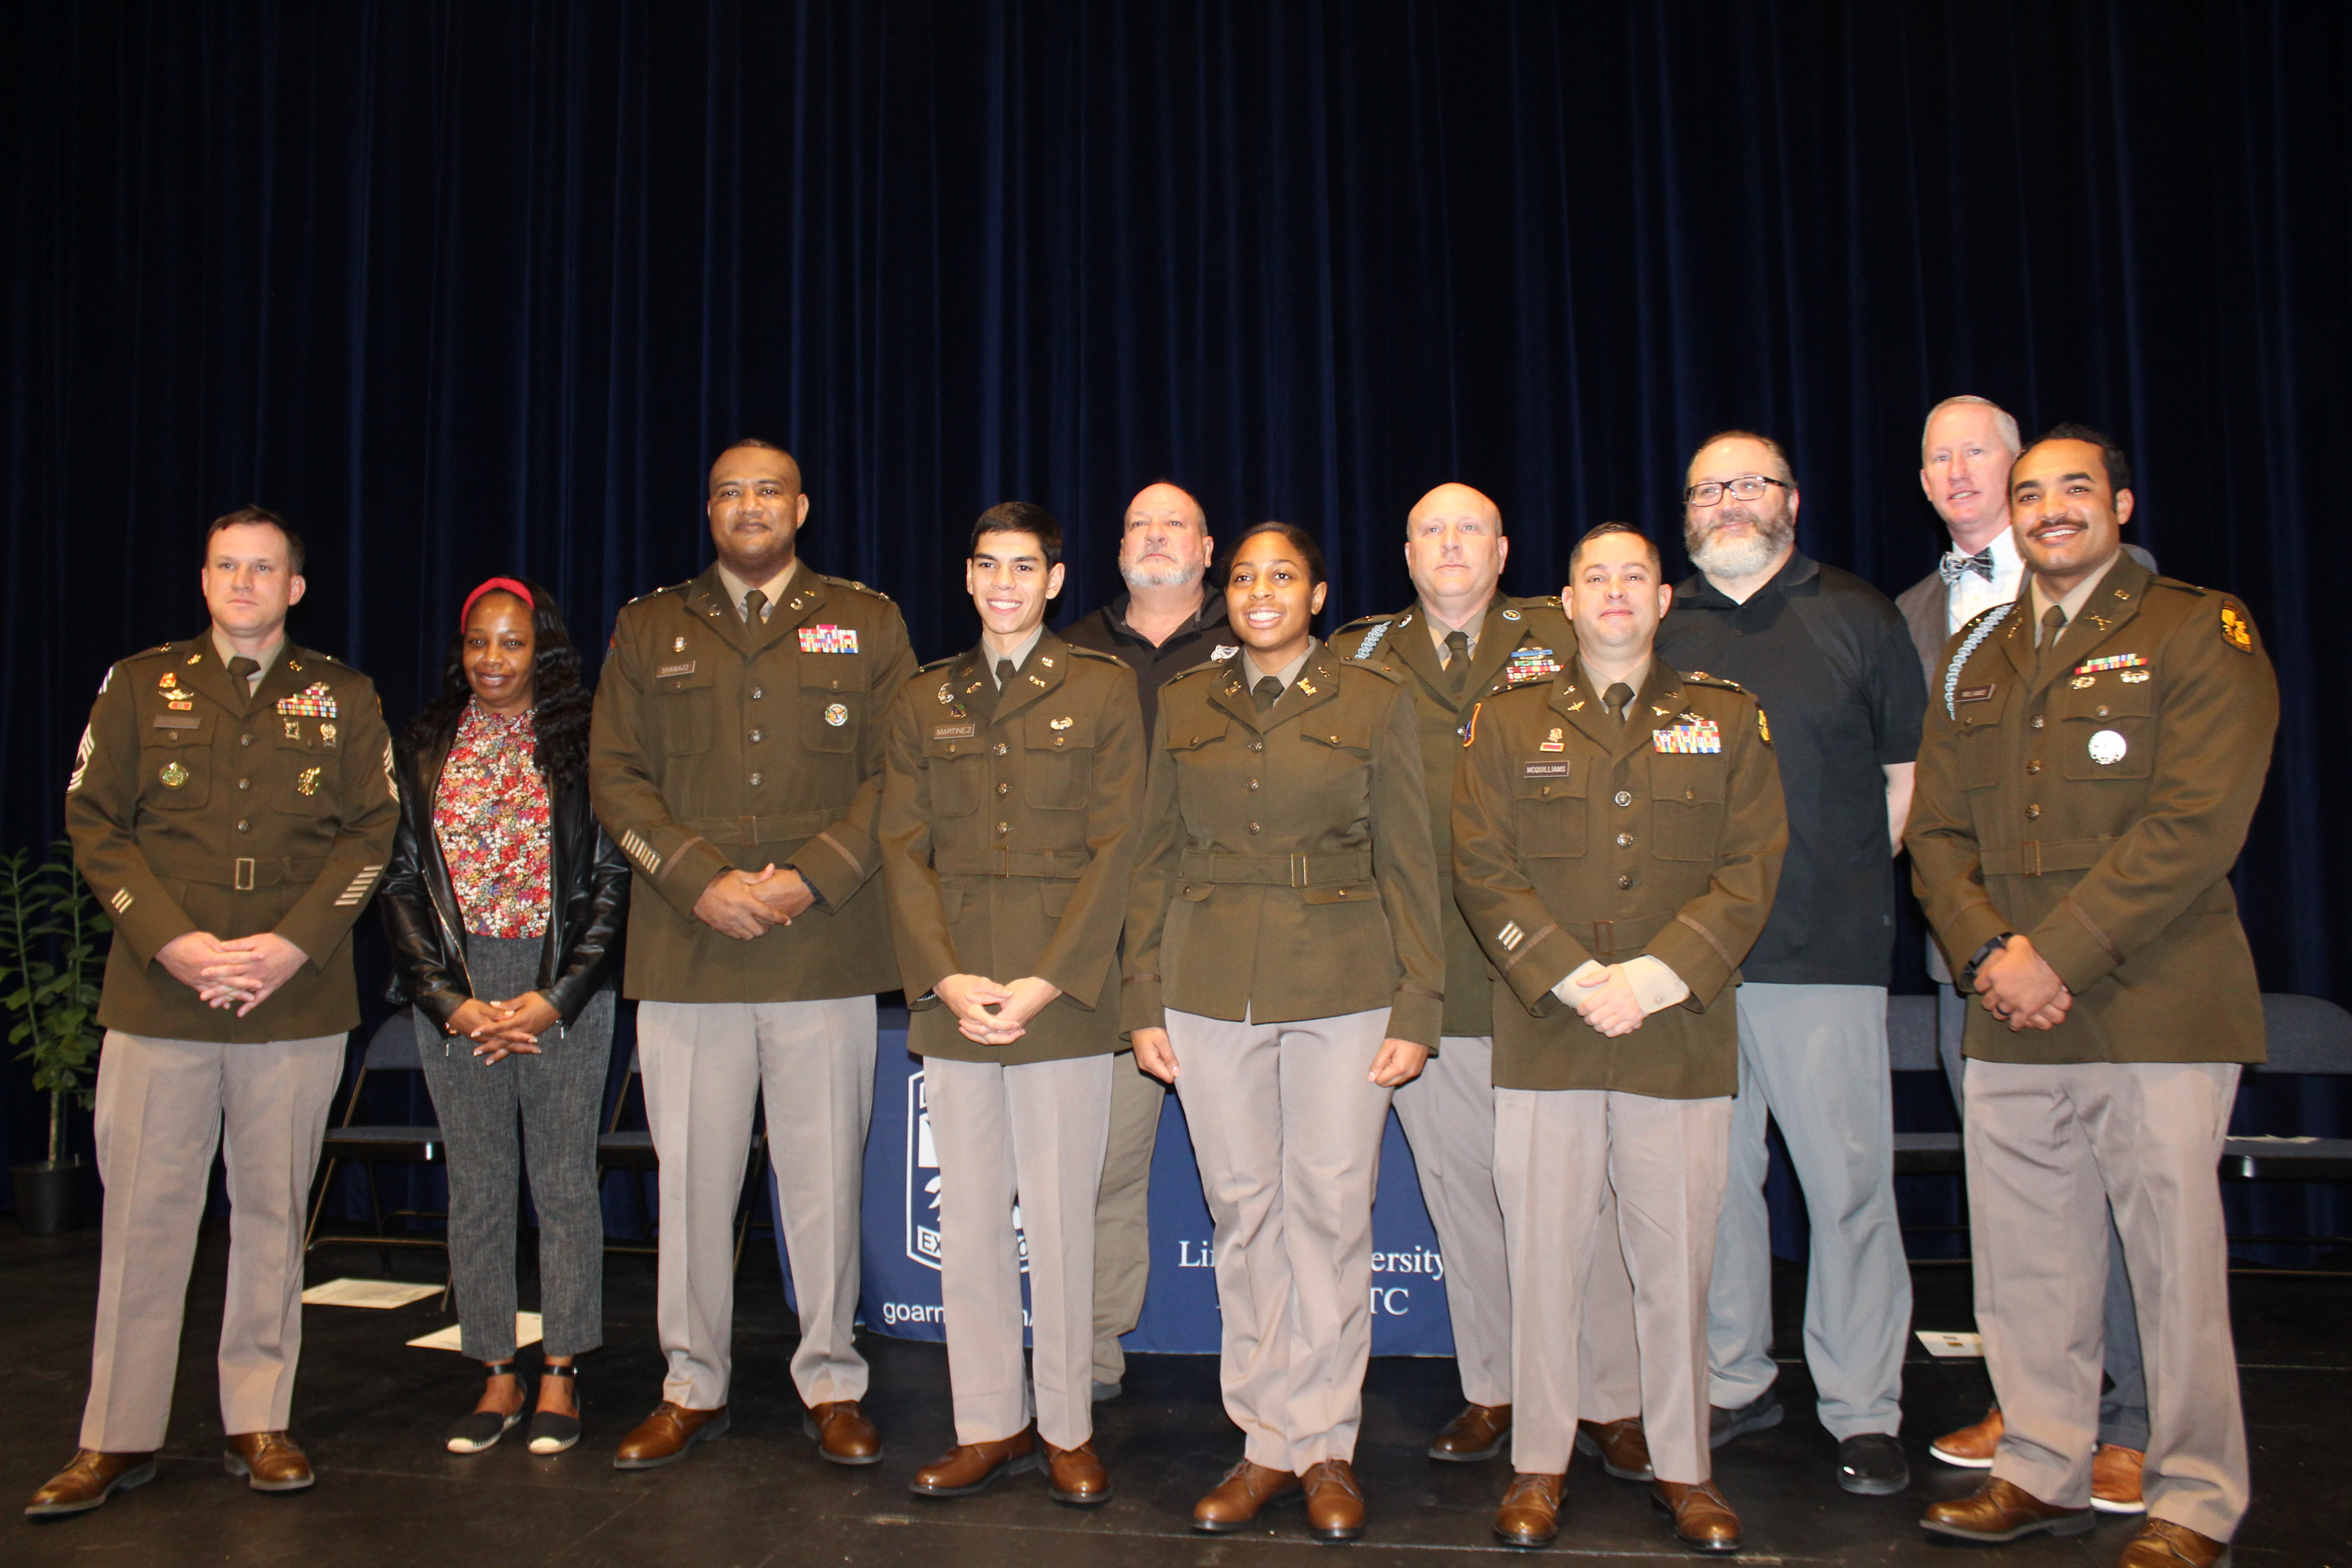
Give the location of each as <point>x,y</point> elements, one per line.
<point>2235,631</point>
<point>307,783</point>
<point>195,658</point>
<point>174,775</point>
<point>1060,723</point>
<point>1555,742</point>
<point>1045,661</point>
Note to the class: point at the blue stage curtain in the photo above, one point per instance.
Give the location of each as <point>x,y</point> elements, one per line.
<point>469,286</point>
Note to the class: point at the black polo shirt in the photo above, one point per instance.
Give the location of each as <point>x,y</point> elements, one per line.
<point>1830,660</point>
<point>1198,639</point>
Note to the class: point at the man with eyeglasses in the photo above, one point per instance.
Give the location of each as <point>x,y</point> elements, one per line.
<point>1829,657</point>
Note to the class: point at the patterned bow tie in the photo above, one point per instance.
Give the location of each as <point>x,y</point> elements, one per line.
<point>1954,563</point>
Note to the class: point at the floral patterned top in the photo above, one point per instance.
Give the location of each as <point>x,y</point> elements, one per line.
<point>490,817</point>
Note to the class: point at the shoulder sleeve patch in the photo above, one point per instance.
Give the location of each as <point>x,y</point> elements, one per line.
<point>2236,630</point>
<point>1763,725</point>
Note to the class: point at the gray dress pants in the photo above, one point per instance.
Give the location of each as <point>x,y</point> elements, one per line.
<point>496,1115</point>
<point>1815,1057</point>
<point>2123,1408</point>
<point>163,1107</point>
<point>1123,1214</point>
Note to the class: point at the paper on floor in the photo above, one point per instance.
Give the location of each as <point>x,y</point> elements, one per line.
<point>382,1293</point>
<point>526,1333</point>
<point>1952,1344</point>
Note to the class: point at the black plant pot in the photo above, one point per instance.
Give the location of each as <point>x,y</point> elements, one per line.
<point>49,1195</point>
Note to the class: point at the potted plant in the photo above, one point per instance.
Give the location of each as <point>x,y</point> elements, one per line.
<point>52,959</point>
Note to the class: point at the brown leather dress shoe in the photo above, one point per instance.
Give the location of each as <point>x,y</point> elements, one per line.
<point>1702,1518</point>
<point>1621,1446</point>
<point>269,1461</point>
<point>968,1468</point>
<point>1077,1476</point>
<point>1998,1511</point>
<point>1970,1448</point>
<point>843,1434</point>
<point>88,1481</point>
<point>2161,1543</point>
<point>1529,1516</point>
<point>2115,1479</point>
<point>1478,1433</point>
<point>663,1438</point>
<point>1234,1502</point>
<point>1335,1503</point>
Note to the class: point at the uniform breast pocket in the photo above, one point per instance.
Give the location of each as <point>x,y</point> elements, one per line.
<point>303,776</point>
<point>832,702</point>
<point>684,712</point>
<point>2106,731</point>
<point>1059,759</point>
<point>175,767</point>
<point>1339,742</point>
<point>1685,806</point>
<point>1548,808</point>
<point>954,769</point>
<point>1978,742</point>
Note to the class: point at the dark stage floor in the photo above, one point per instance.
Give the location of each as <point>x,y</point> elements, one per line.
<point>371,1412</point>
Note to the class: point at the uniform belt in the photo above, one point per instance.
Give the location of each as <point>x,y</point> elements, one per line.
<point>1061,865</point>
<point>746,831</point>
<point>245,872</point>
<point>1279,871</point>
<point>1603,938</point>
<point>2033,857</point>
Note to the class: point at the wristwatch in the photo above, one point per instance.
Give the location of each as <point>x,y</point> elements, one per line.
<point>1968,972</point>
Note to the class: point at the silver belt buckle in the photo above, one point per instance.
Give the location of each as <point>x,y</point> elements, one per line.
<point>244,874</point>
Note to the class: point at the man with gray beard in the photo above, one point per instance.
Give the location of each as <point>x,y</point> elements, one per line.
<point>1166,622</point>
<point>1829,657</point>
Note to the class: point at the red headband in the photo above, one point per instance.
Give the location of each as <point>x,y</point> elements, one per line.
<point>496,584</point>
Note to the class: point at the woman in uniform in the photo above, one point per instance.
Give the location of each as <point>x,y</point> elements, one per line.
<point>1284,973</point>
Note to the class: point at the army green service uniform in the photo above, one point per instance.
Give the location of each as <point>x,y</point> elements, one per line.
<point>202,802</point>
<point>720,741</point>
<point>1448,1112</point>
<point>1007,839</point>
<point>2094,798</point>
<point>1283,922</point>
<point>1579,838</point>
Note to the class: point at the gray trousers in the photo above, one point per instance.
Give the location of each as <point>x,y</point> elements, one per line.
<point>1815,1057</point>
<point>1123,1213</point>
<point>2052,1151</point>
<point>557,1096</point>
<point>1286,1125</point>
<point>1559,1154</point>
<point>811,1064</point>
<point>1448,1115</point>
<point>163,1107</point>
<point>1021,1155</point>
<point>2123,1408</point>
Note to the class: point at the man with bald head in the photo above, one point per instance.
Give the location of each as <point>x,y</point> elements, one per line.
<point>737,759</point>
<point>1462,639</point>
<point>1828,656</point>
<point>1165,622</point>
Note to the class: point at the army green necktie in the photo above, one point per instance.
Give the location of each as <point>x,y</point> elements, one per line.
<point>755,607</point>
<point>2053,622</point>
<point>1266,692</point>
<point>242,670</point>
<point>1457,661</point>
<point>1004,673</point>
<point>1617,699</point>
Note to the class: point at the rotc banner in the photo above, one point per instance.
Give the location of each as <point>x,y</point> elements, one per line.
<point>900,1293</point>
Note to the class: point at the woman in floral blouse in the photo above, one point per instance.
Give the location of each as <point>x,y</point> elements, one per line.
<point>505,902</point>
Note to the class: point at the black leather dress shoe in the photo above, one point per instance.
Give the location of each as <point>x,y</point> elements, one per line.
<point>1871,1464</point>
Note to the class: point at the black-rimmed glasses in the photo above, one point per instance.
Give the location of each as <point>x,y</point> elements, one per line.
<point>1747,487</point>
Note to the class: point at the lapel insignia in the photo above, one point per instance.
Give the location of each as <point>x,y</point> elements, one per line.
<point>1661,712</point>
<point>1554,740</point>
<point>678,645</point>
<point>1702,739</point>
<point>195,658</point>
<point>1045,661</point>
<point>1060,723</point>
<point>295,665</point>
<point>1575,707</point>
<point>827,639</point>
<point>1306,686</point>
<point>313,701</point>
<point>1036,680</point>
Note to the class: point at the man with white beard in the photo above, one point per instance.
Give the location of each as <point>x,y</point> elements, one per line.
<point>1829,657</point>
<point>1165,622</point>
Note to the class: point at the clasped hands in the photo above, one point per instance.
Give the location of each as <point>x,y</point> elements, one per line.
<point>501,1029</point>
<point>1399,1063</point>
<point>1609,1004</point>
<point>748,904</point>
<point>2020,988</point>
<point>989,1013</point>
<point>242,972</point>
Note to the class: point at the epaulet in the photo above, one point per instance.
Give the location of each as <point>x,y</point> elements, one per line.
<point>1547,601</point>
<point>324,658</point>
<point>1970,624</point>
<point>1701,678</point>
<point>853,583</point>
<point>1096,653</point>
<point>1385,672</point>
<point>937,663</point>
<point>1374,627</point>
<point>658,592</point>
<point>1204,666</point>
<point>2175,583</point>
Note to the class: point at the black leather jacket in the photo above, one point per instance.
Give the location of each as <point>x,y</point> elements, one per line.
<point>587,873</point>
